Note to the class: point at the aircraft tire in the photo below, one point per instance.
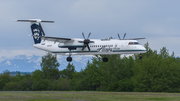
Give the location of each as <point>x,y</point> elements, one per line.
<point>69,59</point>
<point>105,59</point>
<point>140,57</point>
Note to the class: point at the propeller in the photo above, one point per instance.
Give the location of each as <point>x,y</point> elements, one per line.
<point>129,39</point>
<point>86,42</point>
<point>119,36</point>
<point>124,35</point>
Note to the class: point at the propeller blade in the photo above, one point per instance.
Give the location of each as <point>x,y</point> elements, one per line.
<point>83,35</point>
<point>124,35</point>
<point>119,37</point>
<point>81,41</point>
<point>88,48</point>
<point>91,41</point>
<point>83,47</point>
<point>89,35</point>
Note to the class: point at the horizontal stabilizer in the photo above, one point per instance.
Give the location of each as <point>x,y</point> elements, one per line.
<point>35,20</point>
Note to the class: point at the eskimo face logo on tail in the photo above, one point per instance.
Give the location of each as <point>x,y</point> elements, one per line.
<point>36,31</point>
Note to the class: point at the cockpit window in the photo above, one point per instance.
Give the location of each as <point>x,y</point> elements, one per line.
<point>136,43</point>
<point>133,43</point>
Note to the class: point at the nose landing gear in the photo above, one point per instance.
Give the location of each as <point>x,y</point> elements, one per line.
<point>139,57</point>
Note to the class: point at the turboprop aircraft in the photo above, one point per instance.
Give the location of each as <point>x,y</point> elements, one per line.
<point>86,46</point>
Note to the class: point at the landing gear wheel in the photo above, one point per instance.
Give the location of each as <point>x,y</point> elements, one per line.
<point>69,59</point>
<point>139,57</point>
<point>105,59</point>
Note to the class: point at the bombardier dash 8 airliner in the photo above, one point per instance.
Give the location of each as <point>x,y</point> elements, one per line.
<point>86,46</point>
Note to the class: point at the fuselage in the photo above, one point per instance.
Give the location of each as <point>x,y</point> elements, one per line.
<point>86,46</point>
<point>105,46</point>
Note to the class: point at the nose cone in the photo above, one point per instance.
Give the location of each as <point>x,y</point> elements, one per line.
<point>143,49</point>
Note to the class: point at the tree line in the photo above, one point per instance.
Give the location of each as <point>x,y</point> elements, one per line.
<point>156,72</point>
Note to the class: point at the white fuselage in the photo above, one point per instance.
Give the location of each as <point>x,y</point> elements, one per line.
<point>112,46</point>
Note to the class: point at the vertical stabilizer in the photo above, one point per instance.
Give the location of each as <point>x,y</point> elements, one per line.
<point>36,29</point>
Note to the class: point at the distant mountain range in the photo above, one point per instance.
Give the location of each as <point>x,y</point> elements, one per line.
<point>22,73</point>
<point>25,63</point>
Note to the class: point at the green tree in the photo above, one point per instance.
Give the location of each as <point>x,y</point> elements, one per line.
<point>116,73</point>
<point>156,72</point>
<point>63,84</point>
<point>4,78</point>
<point>76,82</point>
<point>37,75</point>
<point>92,76</point>
<point>113,75</point>
<point>26,82</point>
<point>12,86</point>
<point>50,66</point>
<point>7,72</point>
<point>70,70</point>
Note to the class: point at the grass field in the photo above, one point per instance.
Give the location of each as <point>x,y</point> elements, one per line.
<point>86,96</point>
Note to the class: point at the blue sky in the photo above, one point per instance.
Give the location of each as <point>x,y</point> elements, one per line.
<point>157,20</point>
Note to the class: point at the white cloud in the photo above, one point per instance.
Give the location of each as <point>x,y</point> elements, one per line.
<point>8,63</point>
<point>82,59</point>
<point>16,66</point>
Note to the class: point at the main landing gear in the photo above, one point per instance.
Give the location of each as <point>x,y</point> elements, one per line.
<point>69,58</point>
<point>105,59</point>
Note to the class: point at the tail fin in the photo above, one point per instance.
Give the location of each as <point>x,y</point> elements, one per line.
<point>36,29</point>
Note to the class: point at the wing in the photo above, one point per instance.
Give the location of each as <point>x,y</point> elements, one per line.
<point>54,39</point>
<point>135,39</point>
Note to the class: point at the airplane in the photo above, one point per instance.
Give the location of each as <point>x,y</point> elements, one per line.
<point>79,46</point>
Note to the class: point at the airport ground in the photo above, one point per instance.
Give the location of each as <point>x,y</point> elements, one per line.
<point>86,96</point>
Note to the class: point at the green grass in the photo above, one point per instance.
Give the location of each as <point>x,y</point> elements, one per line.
<point>86,96</point>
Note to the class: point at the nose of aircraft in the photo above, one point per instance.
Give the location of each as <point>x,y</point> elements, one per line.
<point>143,49</point>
